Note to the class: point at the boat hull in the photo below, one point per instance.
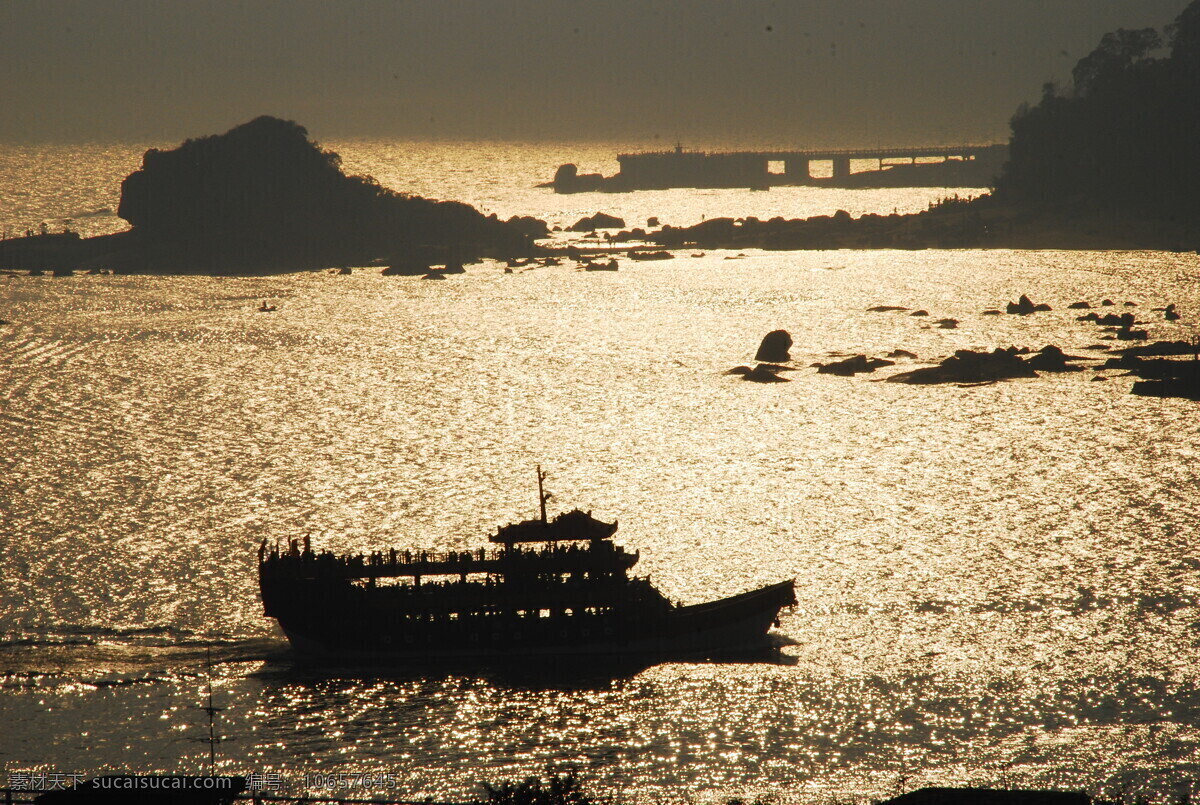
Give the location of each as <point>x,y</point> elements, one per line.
<point>735,625</point>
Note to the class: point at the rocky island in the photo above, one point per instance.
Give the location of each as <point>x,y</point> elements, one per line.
<point>263,198</point>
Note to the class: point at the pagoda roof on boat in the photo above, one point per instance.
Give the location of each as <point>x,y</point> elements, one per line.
<point>572,525</point>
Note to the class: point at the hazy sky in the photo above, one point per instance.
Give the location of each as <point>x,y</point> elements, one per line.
<point>707,72</point>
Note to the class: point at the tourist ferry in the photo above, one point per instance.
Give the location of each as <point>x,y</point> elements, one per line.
<point>556,586</point>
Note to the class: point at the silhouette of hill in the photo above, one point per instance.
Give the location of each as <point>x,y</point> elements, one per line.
<point>1125,135</point>
<point>263,196</point>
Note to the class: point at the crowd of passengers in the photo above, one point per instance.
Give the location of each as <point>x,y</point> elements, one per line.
<point>394,558</point>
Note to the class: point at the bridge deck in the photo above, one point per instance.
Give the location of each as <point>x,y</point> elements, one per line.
<point>837,153</point>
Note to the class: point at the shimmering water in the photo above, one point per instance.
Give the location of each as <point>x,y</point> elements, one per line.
<point>997,585</point>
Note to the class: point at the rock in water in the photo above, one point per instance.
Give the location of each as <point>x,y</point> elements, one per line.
<point>598,221</point>
<point>774,347</point>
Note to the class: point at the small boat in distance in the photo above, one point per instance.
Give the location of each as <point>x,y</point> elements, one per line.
<point>553,587</point>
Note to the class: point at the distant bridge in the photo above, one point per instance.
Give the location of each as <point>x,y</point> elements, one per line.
<point>681,168</point>
<point>939,166</point>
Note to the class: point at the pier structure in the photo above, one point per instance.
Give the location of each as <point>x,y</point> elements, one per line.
<point>925,166</point>
<point>752,168</point>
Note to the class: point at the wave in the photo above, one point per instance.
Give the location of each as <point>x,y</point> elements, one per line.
<point>59,660</point>
<point>166,637</point>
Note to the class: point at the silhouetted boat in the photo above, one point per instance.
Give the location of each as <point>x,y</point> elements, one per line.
<point>572,595</point>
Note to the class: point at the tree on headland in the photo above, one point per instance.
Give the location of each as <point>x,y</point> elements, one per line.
<point>1125,135</point>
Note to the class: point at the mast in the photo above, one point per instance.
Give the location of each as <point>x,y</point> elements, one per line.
<point>542,496</point>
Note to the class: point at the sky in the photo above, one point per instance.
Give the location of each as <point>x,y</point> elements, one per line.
<point>768,73</point>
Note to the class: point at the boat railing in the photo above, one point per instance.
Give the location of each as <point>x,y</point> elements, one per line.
<point>382,564</point>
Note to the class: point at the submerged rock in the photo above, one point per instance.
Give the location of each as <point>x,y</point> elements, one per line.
<point>1109,319</point>
<point>775,347</point>
<point>852,366</point>
<point>762,373</point>
<point>1127,334</point>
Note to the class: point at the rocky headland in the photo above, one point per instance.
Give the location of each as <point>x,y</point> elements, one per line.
<point>1110,162</point>
<point>263,198</point>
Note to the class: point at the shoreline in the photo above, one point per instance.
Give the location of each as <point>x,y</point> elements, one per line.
<point>981,223</point>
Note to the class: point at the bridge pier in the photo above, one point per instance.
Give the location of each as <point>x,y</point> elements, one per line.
<point>796,170</point>
<point>841,167</point>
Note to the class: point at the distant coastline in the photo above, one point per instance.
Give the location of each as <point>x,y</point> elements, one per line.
<point>983,223</point>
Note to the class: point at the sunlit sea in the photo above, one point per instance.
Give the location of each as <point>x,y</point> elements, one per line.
<point>997,585</point>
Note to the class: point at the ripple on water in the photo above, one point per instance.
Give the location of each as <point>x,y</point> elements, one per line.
<point>994,584</point>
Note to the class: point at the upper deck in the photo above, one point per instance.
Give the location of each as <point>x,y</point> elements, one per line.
<point>597,558</point>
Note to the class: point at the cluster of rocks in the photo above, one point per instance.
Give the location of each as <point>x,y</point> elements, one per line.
<point>969,366</point>
<point>1159,376</point>
<point>963,367</point>
<point>1122,325</point>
